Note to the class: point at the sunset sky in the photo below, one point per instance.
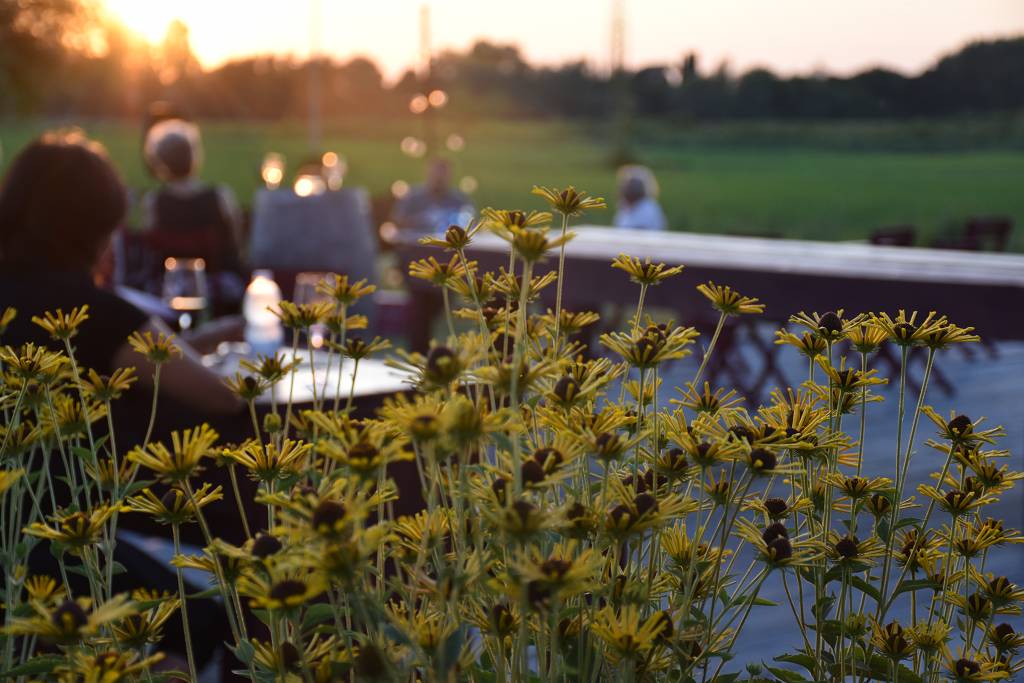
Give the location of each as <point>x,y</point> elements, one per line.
<point>790,36</point>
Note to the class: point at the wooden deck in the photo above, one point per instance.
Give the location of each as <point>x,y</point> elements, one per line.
<point>983,290</point>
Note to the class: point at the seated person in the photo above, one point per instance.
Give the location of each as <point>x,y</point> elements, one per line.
<point>186,217</point>
<point>59,203</point>
<point>638,200</point>
<point>434,205</point>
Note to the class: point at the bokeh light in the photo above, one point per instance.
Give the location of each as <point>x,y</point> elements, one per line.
<point>468,184</point>
<point>419,104</point>
<point>455,142</point>
<point>399,189</point>
<point>438,98</point>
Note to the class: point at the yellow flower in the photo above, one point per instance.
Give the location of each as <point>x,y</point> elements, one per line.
<point>892,640</point>
<point>6,318</point>
<point>174,506</point>
<point>71,621</point>
<point>501,218</point>
<point>830,326</point>
<point>728,301</point>
<point>157,349</point>
<point>866,337</point>
<point>644,272</point>
<point>531,244</point>
<point>60,325</point>
<point>8,478</point>
<point>343,292</point>
<point>105,666</point>
<point>282,589</point>
<point>810,345</point>
<point>76,530</point>
<point>649,347</point>
<point>303,316</point>
<point>146,627</point>
<point>106,388</point>
<point>510,286</point>
<point>32,363</point>
<point>182,460</point>
<point>247,388</point>
<point>456,237</point>
<point>357,348</point>
<point>570,201</point>
<point>271,369</point>
<point>266,462</point>
<point>42,588</point>
<point>441,274</point>
<point>904,330</point>
<point>626,634</point>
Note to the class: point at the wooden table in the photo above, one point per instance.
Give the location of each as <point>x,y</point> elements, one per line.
<point>983,290</point>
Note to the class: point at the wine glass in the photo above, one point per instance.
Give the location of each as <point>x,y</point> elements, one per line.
<point>185,289</point>
<point>306,293</point>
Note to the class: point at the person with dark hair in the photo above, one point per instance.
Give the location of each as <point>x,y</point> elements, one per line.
<point>185,217</point>
<point>59,204</point>
<point>434,205</point>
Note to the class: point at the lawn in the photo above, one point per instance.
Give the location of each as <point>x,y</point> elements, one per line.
<point>830,182</point>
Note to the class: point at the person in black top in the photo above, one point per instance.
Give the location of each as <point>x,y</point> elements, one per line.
<point>59,204</point>
<point>187,218</point>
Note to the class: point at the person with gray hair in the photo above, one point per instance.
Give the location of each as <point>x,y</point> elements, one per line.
<point>186,217</point>
<point>638,200</point>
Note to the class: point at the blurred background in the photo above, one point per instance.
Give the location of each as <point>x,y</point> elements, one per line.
<point>784,119</point>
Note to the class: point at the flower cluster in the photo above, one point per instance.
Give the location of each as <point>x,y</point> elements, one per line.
<point>579,520</point>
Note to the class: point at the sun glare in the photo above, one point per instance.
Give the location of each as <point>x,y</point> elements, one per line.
<point>149,20</point>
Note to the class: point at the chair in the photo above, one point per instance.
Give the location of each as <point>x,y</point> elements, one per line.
<point>982,233</point>
<point>990,233</point>
<point>330,232</point>
<point>894,236</point>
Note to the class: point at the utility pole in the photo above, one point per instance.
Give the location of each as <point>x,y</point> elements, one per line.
<point>427,81</point>
<point>315,90</point>
<point>621,106</point>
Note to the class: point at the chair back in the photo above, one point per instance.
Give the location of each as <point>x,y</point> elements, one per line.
<point>330,232</point>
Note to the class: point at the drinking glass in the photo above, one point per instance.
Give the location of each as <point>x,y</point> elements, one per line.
<point>306,293</point>
<point>185,289</point>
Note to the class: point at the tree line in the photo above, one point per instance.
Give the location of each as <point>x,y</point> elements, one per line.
<point>59,57</point>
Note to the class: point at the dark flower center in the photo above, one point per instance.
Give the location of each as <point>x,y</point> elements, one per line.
<point>1004,631</point>
<point>538,593</point>
<point>555,568</point>
<point>532,472</point>
<point>548,458</point>
<point>645,503</point>
<point>960,425</point>
<point>966,667</point>
<point>441,361</point>
<point>289,655</point>
<point>761,459</point>
<point>499,487</point>
<point>328,514</point>
<point>265,545</point>
<point>524,509</point>
<point>830,323</point>
<point>780,548</point>
<point>774,531</point>
<point>776,507</point>
<point>369,662</point>
<point>567,389</point>
<point>847,547</point>
<point>70,616</point>
<point>288,588</point>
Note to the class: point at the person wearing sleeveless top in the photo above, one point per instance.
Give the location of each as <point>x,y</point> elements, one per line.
<point>187,218</point>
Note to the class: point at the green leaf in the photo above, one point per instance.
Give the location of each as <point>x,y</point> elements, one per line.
<point>245,652</point>
<point>786,675</point>
<point>908,585</point>
<point>317,614</point>
<point>806,661</point>
<point>42,664</point>
<point>868,589</point>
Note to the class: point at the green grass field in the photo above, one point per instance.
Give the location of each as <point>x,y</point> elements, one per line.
<point>825,181</point>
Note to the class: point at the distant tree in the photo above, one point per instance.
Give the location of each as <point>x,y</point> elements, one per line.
<point>35,37</point>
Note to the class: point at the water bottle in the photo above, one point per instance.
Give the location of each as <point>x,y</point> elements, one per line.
<point>263,331</point>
